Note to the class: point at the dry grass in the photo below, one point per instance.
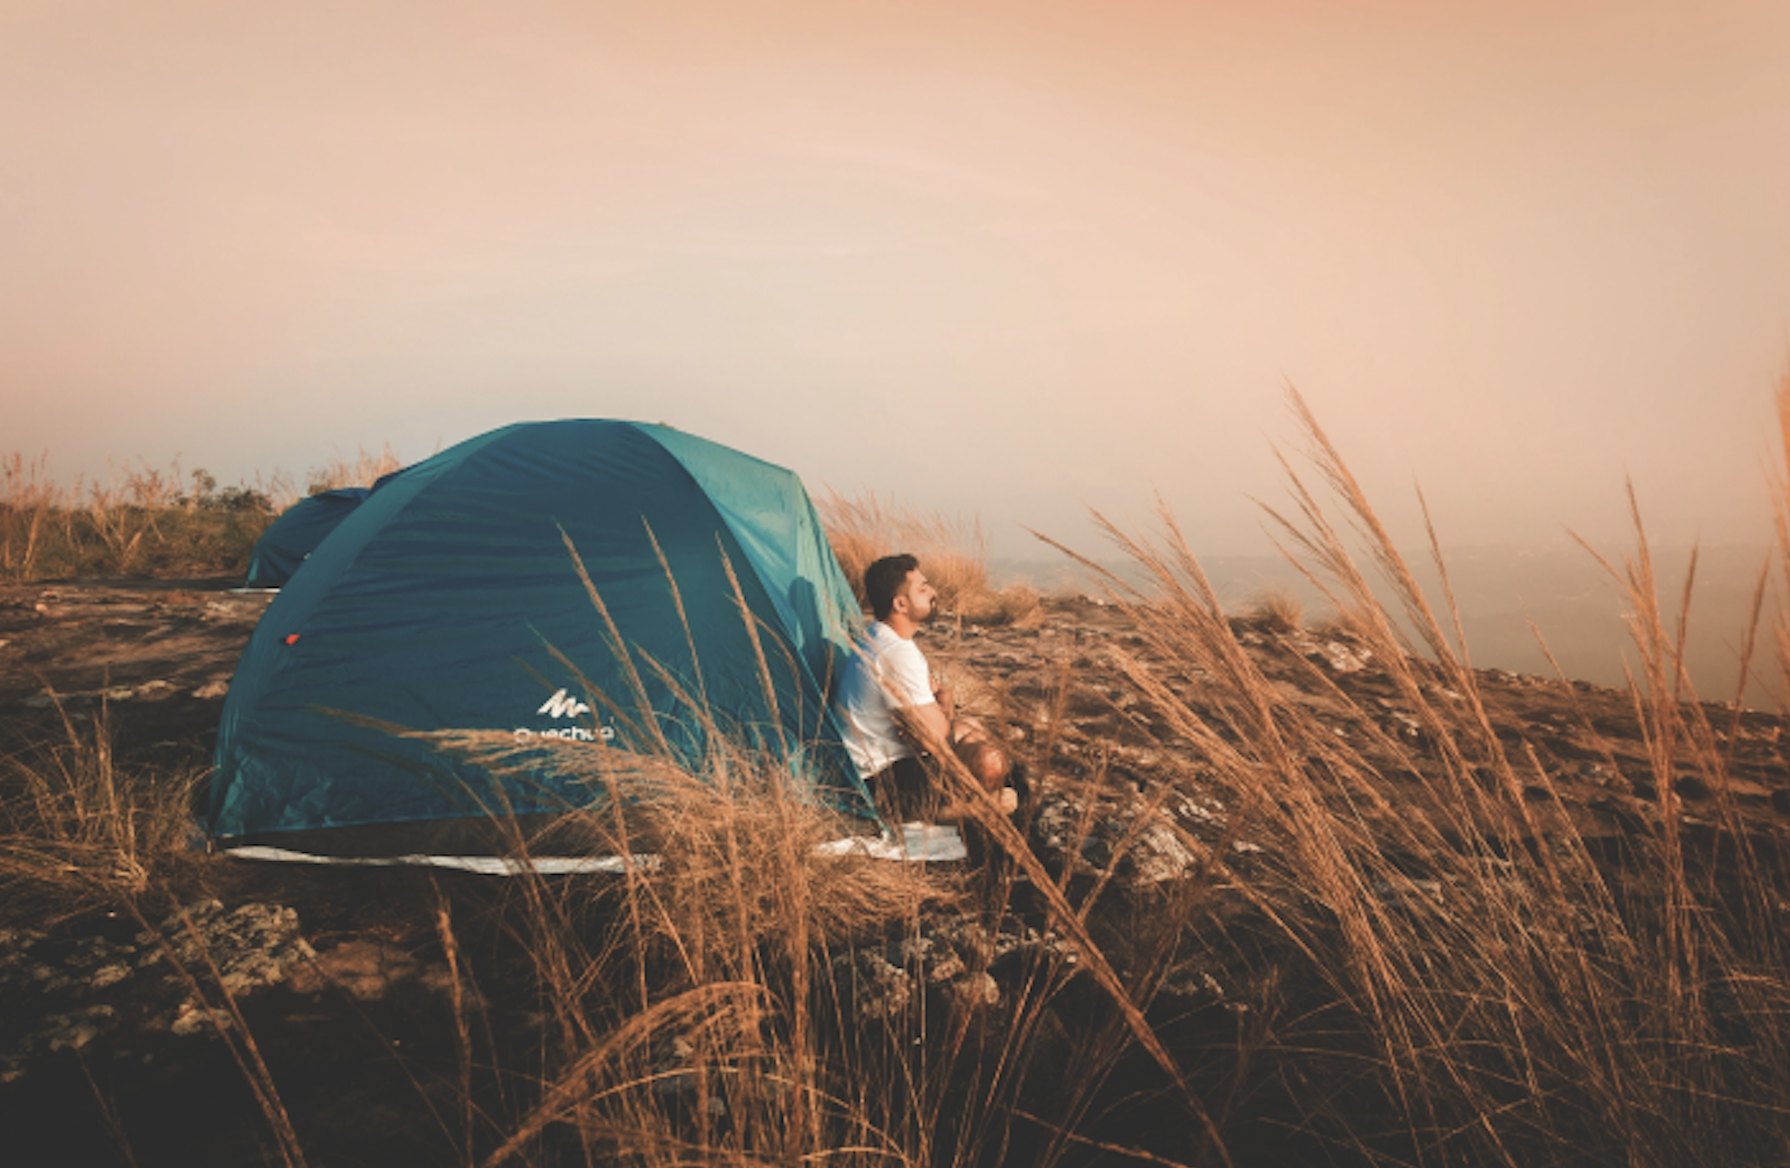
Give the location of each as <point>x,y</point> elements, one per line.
<point>139,522</point>
<point>1450,973</point>
<point>77,831</point>
<point>363,470</point>
<point>952,552</point>
<point>1276,610</point>
<point>1496,989</point>
<point>1780,498</point>
<point>707,1018</point>
<point>149,521</point>
<point>690,1026</point>
<point>721,947</point>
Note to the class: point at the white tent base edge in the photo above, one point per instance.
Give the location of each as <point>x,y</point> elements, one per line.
<point>919,843</point>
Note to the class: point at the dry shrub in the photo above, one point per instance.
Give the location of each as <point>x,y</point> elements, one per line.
<point>952,552</point>
<point>149,521</point>
<point>78,831</point>
<point>711,966</point>
<point>1276,610</point>
<point>363,470</point>
<point>29,502</point>
<point>1781,513</point>
<point>734,843</point>
<point>138,521</point>
<point>1493,991</point>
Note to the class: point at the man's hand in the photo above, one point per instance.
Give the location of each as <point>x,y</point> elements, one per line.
<point>941,693</point>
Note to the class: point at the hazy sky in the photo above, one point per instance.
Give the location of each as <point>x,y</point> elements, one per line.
<point>1011,258</point>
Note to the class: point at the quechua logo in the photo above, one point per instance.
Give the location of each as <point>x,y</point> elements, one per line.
<point>564,705</point>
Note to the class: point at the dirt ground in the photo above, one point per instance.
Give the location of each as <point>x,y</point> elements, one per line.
<point>157,655</point>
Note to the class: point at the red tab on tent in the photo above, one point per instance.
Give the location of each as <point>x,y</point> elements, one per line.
<point>292,638</point>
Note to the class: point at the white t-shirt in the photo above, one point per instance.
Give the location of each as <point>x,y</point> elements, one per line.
<point>887,673</point>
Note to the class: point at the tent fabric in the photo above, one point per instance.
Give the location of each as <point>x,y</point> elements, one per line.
<point>448,600</point>
<point>297,533</point>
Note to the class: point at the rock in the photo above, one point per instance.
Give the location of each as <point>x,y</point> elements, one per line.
<point>91,952</point>
<point>876,989</point>
<point>1109,832</point>
<point>934,959</point>
<point>70,1031</point>
<point>1344,658</point>
<point>252,945</point>
<point>363,968</point>
<point>192,1019</point>
<point>975,991</point>
<point>1158,857</point>
<point>212,689</point>
<point>15,955</point>
<point>107,975</point>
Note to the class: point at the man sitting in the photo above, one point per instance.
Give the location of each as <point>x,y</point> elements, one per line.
<point>893,711</point>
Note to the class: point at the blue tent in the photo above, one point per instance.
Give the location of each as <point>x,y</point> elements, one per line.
<point>449,600</point>
<point>297,532</point>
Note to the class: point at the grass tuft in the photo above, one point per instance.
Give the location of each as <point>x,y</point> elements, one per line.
<point>952,552</point>
<point>77,831</point>
<point>1276,610</point>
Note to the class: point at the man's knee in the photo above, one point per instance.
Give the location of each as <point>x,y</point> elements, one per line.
<point>986,761</point>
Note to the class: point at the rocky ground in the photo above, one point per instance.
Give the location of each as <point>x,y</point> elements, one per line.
<point>115,1046</point>
<point>1586,737</point>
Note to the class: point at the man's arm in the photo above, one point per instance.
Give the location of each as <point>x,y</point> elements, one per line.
<point>921,710</point>
<point>928,725</point>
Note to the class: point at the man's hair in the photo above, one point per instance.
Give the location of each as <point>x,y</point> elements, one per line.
<point>883,579</point>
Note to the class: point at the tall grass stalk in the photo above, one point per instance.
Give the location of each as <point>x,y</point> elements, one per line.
<point>1528,1001</point>
<point>78,831</point>
<point>953,552</point>
<point>362,470</point>
<point>1780,499</point>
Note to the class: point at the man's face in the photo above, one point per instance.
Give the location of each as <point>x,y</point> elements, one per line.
<point>921,599</point>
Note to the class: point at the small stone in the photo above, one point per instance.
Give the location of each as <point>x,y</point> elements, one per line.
<point>1343,659</point>
<point>193,1019</point>
<point>975,991</point>
<point>212,689</point>
<point>107,975</point>
<point>363,968</point>
<point>73,1030</point>
<point>879,990</point>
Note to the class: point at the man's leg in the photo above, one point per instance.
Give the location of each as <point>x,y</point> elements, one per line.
<point>904,792</point>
